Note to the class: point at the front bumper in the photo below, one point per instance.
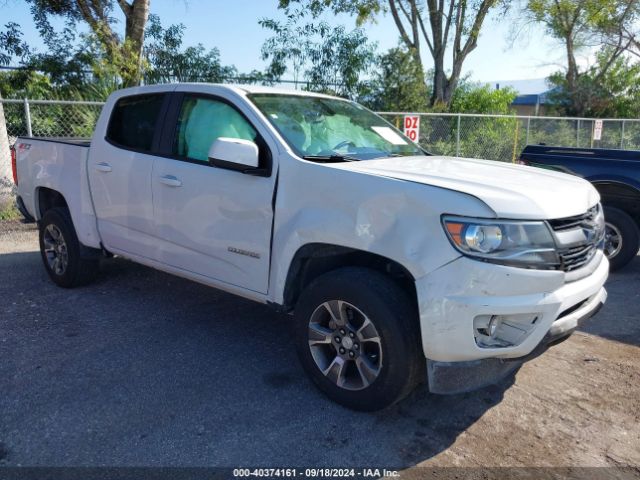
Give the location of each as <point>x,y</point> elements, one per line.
<point>451,297</point>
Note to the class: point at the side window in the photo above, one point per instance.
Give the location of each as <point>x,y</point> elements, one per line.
<point>133,121</point>
<point>201,121</point>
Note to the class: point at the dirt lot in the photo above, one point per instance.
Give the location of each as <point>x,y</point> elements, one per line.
<point>146,369</point>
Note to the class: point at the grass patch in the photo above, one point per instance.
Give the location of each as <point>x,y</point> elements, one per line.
<point>10,212</point>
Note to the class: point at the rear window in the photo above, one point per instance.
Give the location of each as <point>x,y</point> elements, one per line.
<point>134,121</point>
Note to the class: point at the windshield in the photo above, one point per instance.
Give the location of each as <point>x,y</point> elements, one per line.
<point>332,128</point>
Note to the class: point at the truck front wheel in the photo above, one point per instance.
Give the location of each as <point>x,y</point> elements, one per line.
<point>622,238</point>
<point>357,337</point>
<point>61,251</point>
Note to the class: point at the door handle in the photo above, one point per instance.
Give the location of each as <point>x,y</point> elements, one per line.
<point>103,167</point>
<point>170,181</point>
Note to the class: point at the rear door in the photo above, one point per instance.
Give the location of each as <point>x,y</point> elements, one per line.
<point>211,221</point>
<point>119,170</point>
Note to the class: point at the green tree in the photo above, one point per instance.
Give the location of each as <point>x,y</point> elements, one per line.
<point>11,44</point>
<point>618,25</point>
<point>255,77</point>
<point>167,61</point>
<point>473,97</point>
<point>605,89</point>
<point>481,137</point>
<point>339,58</point>
<point>329,58</point>
<point>67,61</point>
<point>124,53</point>
<point>25,83</point>
<point>399,84</point>
<point>442,28</point>
<point>580,24</point>
<point>64,69</point>
<point>286,50</point>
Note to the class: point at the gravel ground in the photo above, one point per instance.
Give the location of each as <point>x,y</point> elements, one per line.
<point>145,369</point>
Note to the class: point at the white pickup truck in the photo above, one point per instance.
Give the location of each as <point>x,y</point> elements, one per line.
<point>399,266</point>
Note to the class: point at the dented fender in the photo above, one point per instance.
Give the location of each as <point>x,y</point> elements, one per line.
<point>396,219</point>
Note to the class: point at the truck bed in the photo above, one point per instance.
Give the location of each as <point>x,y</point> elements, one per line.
<point>60,165</point>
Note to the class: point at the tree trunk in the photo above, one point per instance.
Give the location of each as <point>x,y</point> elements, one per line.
<point>136,15</point>
<point>6,177</point>
<point>452,82</point>
<point>449,90</point>
<point>572,78</point>
<point>439,83</point>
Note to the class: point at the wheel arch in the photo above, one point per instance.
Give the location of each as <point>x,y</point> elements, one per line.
<point>620,195</point>
<point>48,198</point>
<point>314,259</point>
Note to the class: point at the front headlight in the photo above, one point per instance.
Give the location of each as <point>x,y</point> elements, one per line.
<point>516,243</point>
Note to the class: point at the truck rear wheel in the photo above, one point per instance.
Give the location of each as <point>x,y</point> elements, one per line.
<point>357,337</point>
<point>622,239</point>
<point>61,251</point>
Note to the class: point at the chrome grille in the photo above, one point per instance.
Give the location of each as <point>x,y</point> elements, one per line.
<point>576,256</point>
<point>577,221</point>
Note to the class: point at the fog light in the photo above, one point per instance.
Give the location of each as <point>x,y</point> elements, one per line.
<point>505,330</point>
<point>492,328</point>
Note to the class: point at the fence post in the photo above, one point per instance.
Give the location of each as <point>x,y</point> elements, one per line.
<point>458,138</point>
<point>515,141</point>
<point>528,127</point>
<point>27,117</point>
<point>578,134</point>
<point>622,137</point>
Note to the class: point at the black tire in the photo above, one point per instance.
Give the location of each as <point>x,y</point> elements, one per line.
<point>78,270</point>
<point>401,364</point>
<point>627,229</point>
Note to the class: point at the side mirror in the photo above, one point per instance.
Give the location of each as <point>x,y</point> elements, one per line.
<point>234,154</point>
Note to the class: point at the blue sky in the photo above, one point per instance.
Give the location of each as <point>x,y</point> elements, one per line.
<point>231,25</point>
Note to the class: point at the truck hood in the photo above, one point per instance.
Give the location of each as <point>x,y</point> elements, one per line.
<point>511,191</point>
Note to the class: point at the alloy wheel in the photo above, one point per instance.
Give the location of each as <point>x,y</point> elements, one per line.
<point>612,240</point>
<point>345,345</point>
<point>55,249</point>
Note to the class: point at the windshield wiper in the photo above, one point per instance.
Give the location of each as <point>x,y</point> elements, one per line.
<point>331,158</point>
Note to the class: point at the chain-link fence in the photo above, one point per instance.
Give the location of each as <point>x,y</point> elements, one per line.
<point>502,137</point>
<point>494,137</point>
<point>50,118</point>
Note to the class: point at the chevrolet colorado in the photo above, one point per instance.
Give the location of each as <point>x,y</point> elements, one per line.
<point>398,266</point>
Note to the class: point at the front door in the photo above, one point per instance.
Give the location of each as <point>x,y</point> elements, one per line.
<point>211,221</point>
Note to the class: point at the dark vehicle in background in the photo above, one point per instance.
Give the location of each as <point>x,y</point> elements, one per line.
<point>616,175</point>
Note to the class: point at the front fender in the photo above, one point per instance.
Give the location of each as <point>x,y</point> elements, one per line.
<point>391,218</point>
